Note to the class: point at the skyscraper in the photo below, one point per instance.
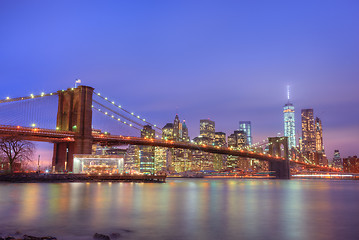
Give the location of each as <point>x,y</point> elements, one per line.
<point>237,140</point>
<point>177,129</point>
<point>308,132</point>
<point>178,160</point>
<point>289,122</point>
<point>132,158</point>
<point>320,157</point>
<point>319,146</point>
<point>204,160</point>
<point>147,153</point>
<point>185,137</point>
<point>219,160</point>
<point>337,160</point>
<point>245,126</point>
<point>220,139</point>
<point>207,128</point>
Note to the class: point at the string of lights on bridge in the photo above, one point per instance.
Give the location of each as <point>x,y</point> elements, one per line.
<point>131,122</point>
<point>31,96</point>
<point>43,94</point>
<point>113,117</point>
<point>123,109</point>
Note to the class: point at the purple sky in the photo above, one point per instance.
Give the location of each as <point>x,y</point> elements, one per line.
<point>223,60</point>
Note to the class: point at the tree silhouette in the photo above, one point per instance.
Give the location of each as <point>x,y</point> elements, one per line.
<point>15,150</point>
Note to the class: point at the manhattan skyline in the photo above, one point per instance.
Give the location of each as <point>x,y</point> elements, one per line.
<point>228,63</point>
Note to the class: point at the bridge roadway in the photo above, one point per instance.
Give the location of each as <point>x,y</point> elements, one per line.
<point>116,140</point>
<point>37,134</point>
<point>50,135</point>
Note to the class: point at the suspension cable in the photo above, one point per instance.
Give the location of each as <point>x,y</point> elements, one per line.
<point>128,112</point>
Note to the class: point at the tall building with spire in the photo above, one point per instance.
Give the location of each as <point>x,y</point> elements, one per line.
<point>289,122</point>
<point>177,160</point>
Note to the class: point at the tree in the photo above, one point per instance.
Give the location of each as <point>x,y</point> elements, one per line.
<point>15,150</point>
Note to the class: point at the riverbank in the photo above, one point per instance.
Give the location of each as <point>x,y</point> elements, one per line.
<point>96,236</point>
<point>26,237</point>
<point>58,178</point>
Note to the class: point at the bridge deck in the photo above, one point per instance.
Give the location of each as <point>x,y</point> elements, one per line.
<point>49,135</point>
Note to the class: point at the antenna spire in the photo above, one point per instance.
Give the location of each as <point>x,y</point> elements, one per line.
<point>288,92</point>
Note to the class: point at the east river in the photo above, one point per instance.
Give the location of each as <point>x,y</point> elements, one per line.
<point>184,209</point>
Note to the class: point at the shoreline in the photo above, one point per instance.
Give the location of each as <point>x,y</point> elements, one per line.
<point>63,178</point>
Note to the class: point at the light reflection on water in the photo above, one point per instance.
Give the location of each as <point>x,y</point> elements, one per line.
<point>184,209</point>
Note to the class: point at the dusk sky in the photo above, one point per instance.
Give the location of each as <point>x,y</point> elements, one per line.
<point>224,60</point>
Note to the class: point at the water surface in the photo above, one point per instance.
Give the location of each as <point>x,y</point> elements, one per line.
<point>184,209</point>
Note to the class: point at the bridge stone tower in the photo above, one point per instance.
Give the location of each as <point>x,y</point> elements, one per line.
<point>74,114</point>
<point>282,166</point>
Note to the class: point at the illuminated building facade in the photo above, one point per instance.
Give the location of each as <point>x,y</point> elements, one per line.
<point>219,160</point>
<point>147,153</point>
<point>177,160</point>
<point>202,161</point>
<point>351,164</point>
<point>177,129</point>
<point>312,138</point>
<point>337,160</point>
<point>167,131</point>
<point>207,128</point>
<point>185,137</point>
<point>161,159</point>
<point>320,157</point>
<point>245,126</point>
<point>237,140</point>
<point>319,146</point>
<point>308,134</point>
<point>132,159</point>
<point>289,124</point>
<point>220,139</point>
<point>84,163</point>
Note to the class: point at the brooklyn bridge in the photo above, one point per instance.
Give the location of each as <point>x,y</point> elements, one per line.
<point>74,132</point>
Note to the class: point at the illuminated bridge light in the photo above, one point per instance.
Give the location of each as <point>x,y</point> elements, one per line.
<point>105,98</point>
<point>132,113</point>
<point>118,119</point>
<point>98,94</point>
<point>106,113</point>
<point>119,106</point>
<point>7,98</point>
<point>144,120</point>
<point>113,116</point>
<point>113,102</point>
<point>138,116</point>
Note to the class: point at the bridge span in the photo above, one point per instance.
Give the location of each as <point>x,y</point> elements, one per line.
<point>74,135</point>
